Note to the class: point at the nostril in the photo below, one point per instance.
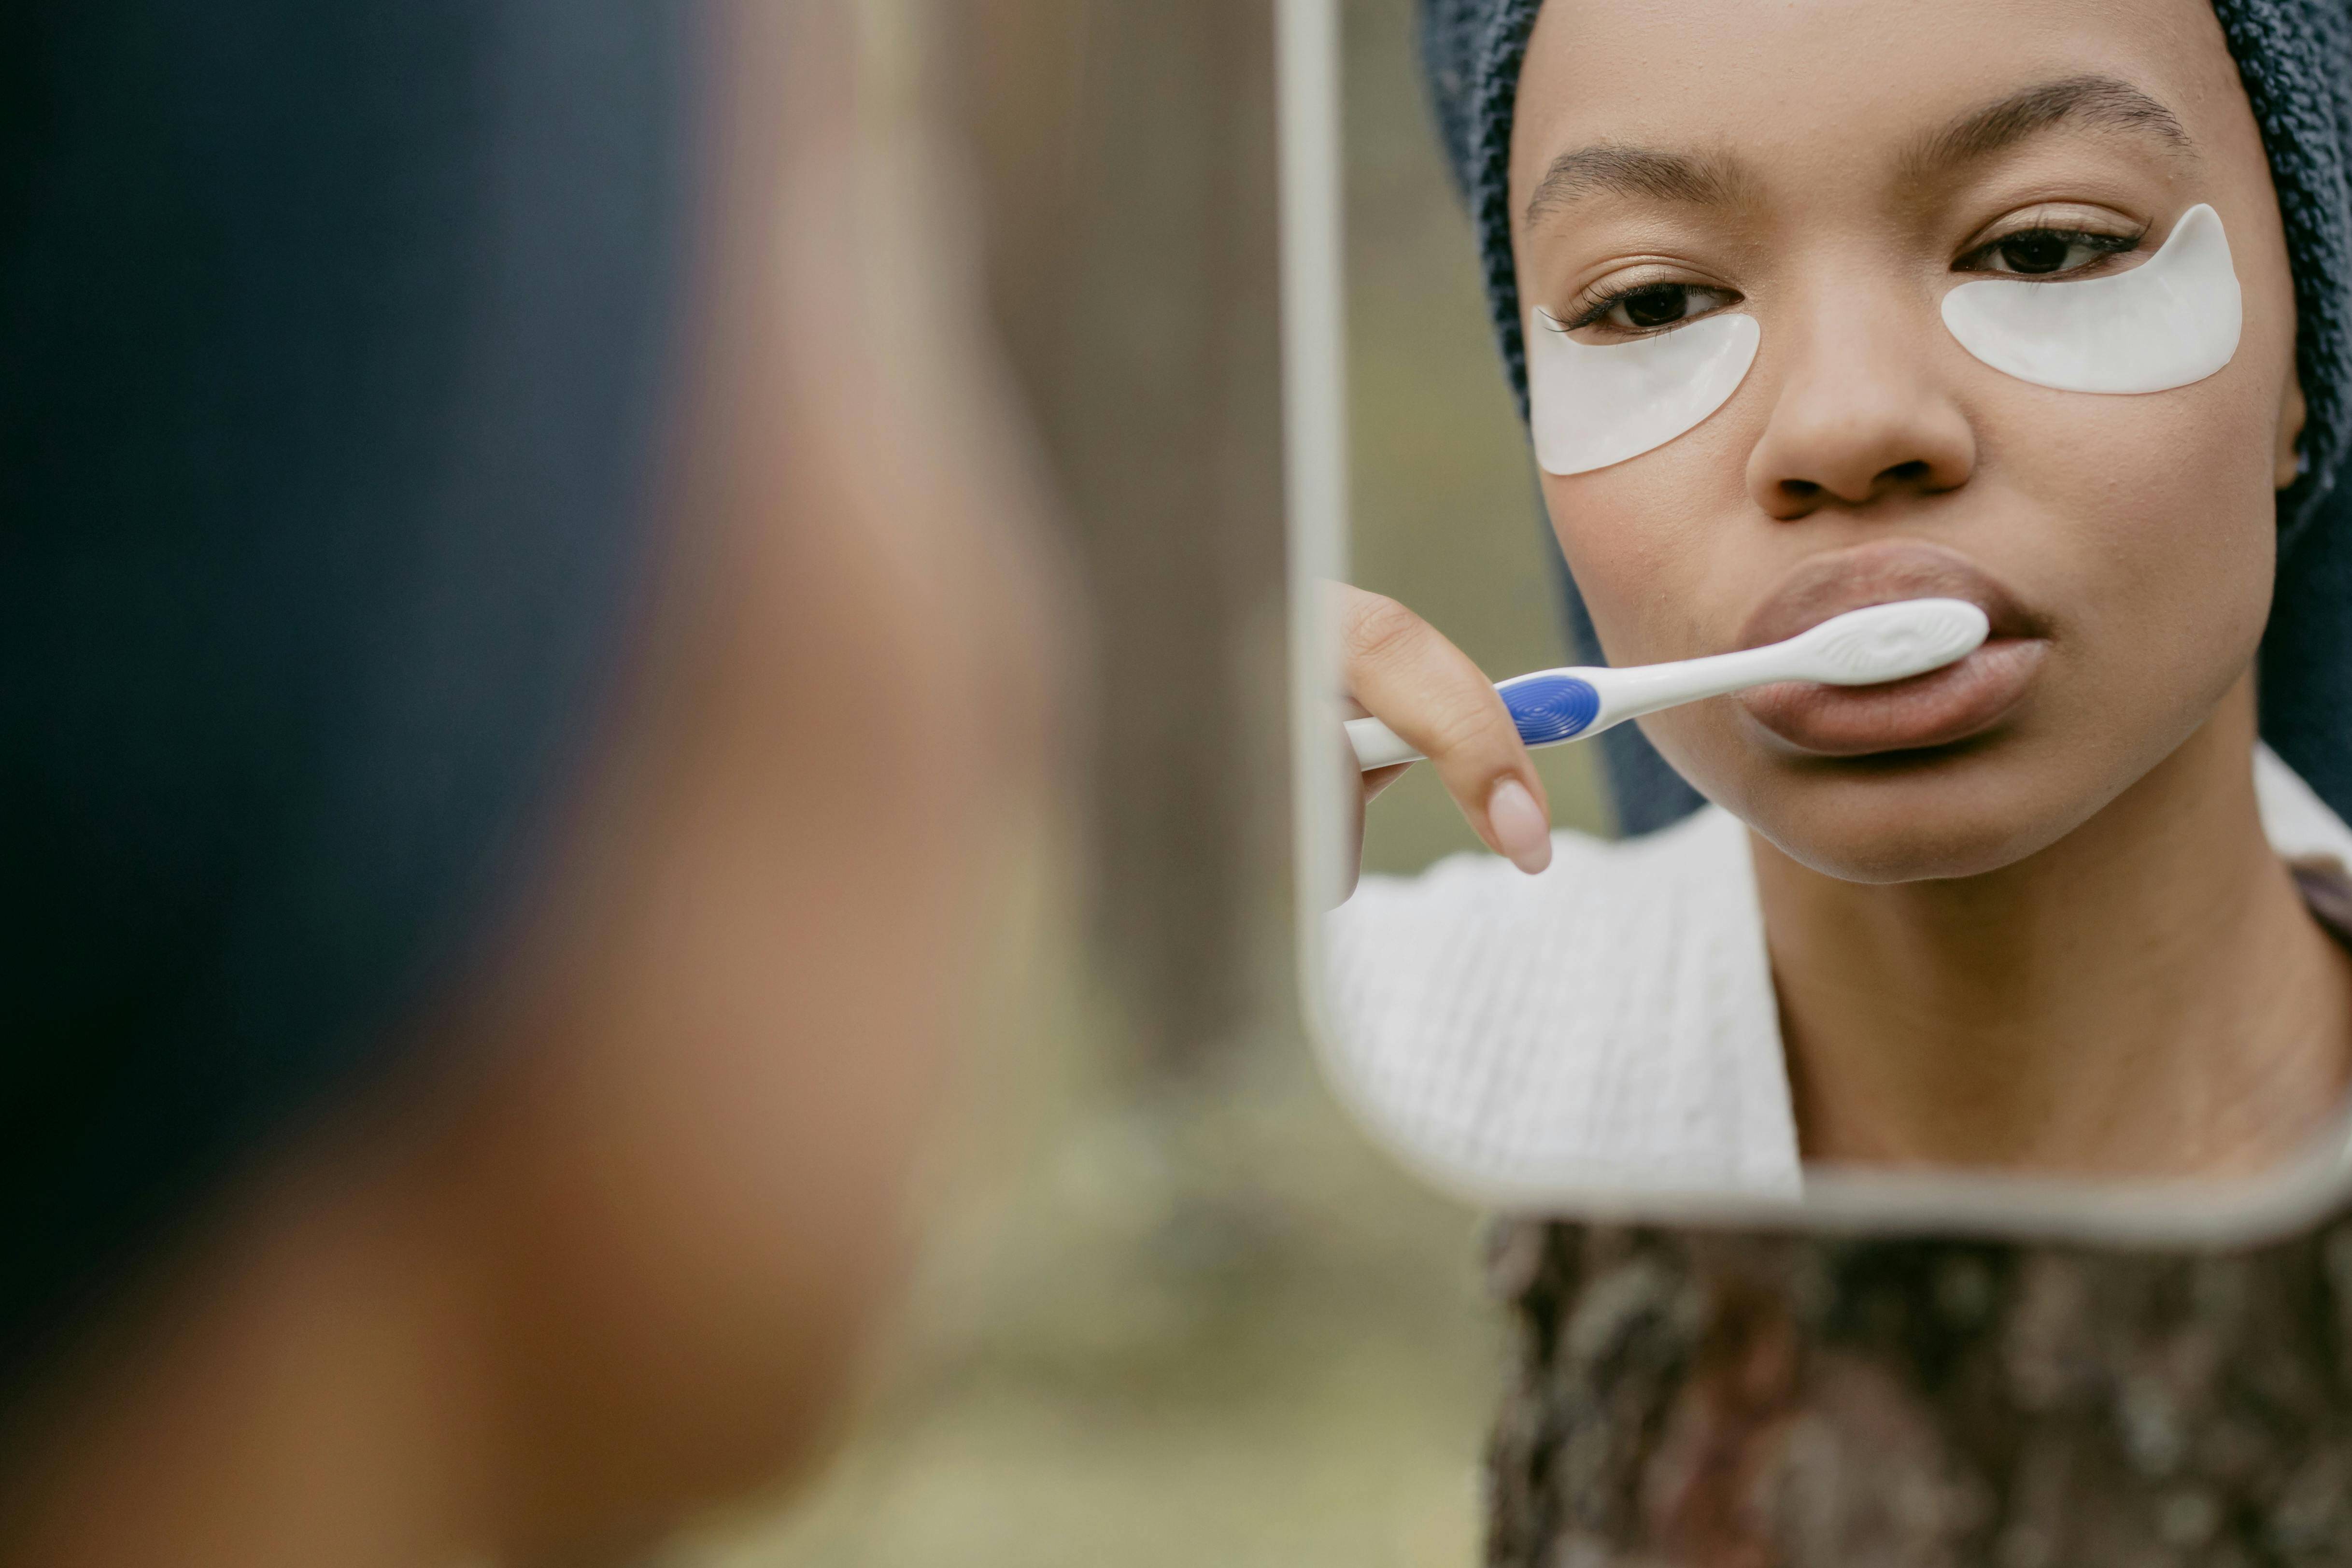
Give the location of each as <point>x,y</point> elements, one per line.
<point>1858,450</point>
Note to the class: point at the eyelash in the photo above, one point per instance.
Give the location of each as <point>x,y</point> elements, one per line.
<point>2102,246</point>
<point>1595,309</point>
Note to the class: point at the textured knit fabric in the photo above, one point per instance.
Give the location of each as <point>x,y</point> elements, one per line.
<point>1609,1025</point>
<point>329,335</point>
<point>2296,59</point>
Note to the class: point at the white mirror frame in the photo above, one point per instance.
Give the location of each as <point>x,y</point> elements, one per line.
<point>2300,1191</point>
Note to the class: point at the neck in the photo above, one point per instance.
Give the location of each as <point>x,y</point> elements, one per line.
<point>300,1395</point>
<point>2149,996</point>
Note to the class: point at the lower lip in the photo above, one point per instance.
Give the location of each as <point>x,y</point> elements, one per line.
<point>1937,708</point>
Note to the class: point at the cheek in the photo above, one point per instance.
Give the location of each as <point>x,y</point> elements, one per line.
<point>2144,525</point>
<point>1646,542</point>
<point>702,1187</point>
<point>705,1179</point>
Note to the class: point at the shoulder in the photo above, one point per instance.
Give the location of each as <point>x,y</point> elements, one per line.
<point>2298,823</point>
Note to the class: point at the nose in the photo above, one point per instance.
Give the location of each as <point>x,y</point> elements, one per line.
<point>1859,415</point>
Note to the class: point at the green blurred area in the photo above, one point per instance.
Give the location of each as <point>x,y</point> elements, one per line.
<point>1174,1309</point>
<point>1447,519</point>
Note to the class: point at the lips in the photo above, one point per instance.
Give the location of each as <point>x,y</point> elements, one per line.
<point>1943,707</point>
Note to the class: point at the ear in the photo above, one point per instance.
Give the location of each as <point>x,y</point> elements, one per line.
<point>2288,464</point>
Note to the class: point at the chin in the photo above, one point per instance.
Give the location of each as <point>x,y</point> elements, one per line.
<point>1910,817</point>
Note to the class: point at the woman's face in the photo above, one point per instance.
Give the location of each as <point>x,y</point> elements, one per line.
<point>1833,168</point>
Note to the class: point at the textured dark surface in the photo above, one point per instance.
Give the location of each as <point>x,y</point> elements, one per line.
<point>1689,1399</point>
<point>2295,59</point>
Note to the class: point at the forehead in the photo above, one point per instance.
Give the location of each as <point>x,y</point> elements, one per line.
<point>1853,86</point>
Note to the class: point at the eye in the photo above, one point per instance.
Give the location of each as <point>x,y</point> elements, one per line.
<point>2045,252</point>
<point>1647,308</point>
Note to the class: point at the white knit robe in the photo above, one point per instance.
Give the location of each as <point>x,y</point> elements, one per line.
<point>1606,1027</point>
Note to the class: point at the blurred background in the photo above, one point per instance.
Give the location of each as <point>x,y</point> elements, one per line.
<point>1447,515</point>
<point>1174,1311</point>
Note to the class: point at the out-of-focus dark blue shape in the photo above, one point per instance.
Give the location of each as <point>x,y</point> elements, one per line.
<point>328,343</point>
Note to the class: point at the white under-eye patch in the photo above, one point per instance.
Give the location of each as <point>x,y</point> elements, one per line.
<point>1592,404</point>
<point>2172,320</point>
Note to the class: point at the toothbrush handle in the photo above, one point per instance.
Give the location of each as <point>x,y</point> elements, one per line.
<point>1633,693</point>
<point>1378,746</point>
<point>1551,706</point>
<point>1548,707</point>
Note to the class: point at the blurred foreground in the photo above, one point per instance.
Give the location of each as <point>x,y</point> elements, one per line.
<point>1178,1310</point>
<point>1199,1320</point>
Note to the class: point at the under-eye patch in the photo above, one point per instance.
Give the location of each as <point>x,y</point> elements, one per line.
<point>1592,404</point>
<point>2172,320</point>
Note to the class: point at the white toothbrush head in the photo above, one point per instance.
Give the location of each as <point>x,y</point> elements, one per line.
<point>1890,641</point>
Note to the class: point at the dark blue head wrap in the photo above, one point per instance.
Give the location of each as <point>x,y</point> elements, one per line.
<point>329,343</point>
<point>2296,59</point>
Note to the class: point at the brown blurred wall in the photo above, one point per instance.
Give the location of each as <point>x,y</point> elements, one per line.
<point>1125,162</point>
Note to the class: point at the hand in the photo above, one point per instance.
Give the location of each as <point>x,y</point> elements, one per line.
<point>1399,670</point>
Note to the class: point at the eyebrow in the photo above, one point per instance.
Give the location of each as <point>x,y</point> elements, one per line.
<point>1720,180</point>
<point>1703,180</point>
<point>2108,102</point>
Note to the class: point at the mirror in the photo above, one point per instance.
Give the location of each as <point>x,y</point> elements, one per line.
<point>2021,917</point>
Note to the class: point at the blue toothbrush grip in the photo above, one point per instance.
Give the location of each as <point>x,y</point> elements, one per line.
<point>1551,708</point>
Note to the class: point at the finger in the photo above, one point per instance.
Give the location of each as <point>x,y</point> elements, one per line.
<point>1405,673</point>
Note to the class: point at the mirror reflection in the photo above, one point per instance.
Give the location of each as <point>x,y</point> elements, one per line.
<point>1935,414</point>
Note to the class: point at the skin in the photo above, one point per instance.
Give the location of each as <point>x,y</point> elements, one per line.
<point>613,1248</point>
<point>2055,940</point>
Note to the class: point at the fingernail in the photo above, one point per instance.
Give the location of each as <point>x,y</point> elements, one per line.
<point>1520,831</point>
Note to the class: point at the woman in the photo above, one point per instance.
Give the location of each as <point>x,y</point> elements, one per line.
<point>499,540</point>
<point>2022,913</point>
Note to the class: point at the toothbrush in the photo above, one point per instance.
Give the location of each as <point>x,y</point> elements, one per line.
<point>1861,648</point>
